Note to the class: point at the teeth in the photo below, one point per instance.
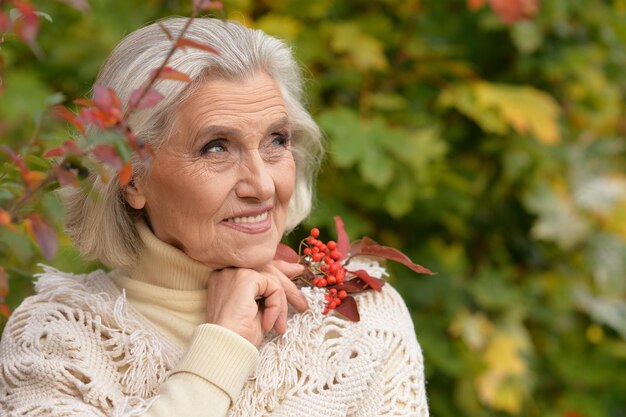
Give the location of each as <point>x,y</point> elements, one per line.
<point>250,219</point>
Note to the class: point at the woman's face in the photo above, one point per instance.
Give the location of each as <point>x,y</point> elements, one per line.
<point>219,188</point>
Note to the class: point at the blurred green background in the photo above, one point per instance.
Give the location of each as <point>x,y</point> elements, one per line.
<point>489,149</point>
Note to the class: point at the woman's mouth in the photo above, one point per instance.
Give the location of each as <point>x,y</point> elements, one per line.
<point>250,219</point>
<point>258,223</point>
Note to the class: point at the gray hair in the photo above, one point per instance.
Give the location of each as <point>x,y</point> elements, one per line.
<point>102,227</point>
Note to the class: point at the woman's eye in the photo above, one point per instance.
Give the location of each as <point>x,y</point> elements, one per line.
<point>281,140</point>
<point>214,146</point>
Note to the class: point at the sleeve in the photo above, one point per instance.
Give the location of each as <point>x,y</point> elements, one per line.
<point>209,377</point>
<point>55,361</point>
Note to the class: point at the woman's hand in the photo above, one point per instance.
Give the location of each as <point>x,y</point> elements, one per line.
<point>232,294</point>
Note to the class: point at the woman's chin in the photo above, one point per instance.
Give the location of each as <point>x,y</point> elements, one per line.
<point>255,262</point>
<point>253,259</point>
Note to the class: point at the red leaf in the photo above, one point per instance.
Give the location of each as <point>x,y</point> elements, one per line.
<point>375,283</point>
<point>141,99</point>
<point>5,310</point>
<point>352,285</point>
<point>475,4</point>
<point>99,118</point>
<point>17,160</point>
<point>54,152</point>
<point>343,242</point>
<point>207,5</point>
<point>5,217</point>
<point>69,147</point>
<point>510,11</point>
<point>44,235</point>
<point>394,255</point>
<point>349,309</point>
<point>108,155</point>
<point>92,115</point>
<point>184,42</point>
<point>27,26</point>
<point>169,73</point>
<point>66,177</point>
<point>105,98</point>
<point>285,253</point>
<point>357,246</point>
<point>107,111</point>
<point>125,174</point>
<point>64,113</point>
<point>5,22</point>
<point>87,102</point>
<point>4,284</point>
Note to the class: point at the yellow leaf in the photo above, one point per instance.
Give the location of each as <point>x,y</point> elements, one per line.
<point>364,51</point>
<point>526,109</point>
<point>616,222</point>
<point>503,384</point>
<point>474,329</point>
<point>595,334</point>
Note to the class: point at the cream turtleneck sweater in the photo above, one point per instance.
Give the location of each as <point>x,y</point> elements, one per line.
<point>136,344</point>
<point>169,289</point>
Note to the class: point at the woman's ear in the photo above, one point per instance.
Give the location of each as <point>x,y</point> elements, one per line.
<point>134,195</point>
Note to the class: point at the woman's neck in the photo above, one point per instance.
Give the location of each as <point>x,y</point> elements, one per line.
<point>165,266</point>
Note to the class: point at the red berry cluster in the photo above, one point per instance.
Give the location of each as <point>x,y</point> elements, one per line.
<point>323,260</point>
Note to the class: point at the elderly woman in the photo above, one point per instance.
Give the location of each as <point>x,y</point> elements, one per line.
<point>177,329</point>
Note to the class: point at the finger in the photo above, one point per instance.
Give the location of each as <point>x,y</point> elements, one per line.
<point>293,294</point>
<point>288,269</point>
<point>281,321</point>
<point>274,299</point>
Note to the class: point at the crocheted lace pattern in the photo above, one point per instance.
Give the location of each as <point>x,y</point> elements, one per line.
<point>77,348</point>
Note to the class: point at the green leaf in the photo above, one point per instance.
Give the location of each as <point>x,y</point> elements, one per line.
<point>607,261</point>
<point>56,98</point>
<point>417,149</point>
<point>526,36</point>
<point>44,15</point>
<point>361,142</point>
<point>281,26</point>
<point>343,126</point>
<point>388,101</point>
<point>376,167</point>
<point>33,160</point>
<point>399,198</point>
<point>25,95</point>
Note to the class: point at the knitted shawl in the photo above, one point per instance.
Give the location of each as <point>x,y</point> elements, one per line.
<point>78,348</point>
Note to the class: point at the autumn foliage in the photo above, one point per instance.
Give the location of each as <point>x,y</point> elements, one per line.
<point>484,138</point>
<point>69,162</point>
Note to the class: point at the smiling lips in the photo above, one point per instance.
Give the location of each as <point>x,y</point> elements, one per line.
<point>250,224</point>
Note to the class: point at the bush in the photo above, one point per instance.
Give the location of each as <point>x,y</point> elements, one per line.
<point>484,140</point>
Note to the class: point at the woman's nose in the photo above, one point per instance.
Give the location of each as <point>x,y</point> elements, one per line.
<point>255,180</point>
